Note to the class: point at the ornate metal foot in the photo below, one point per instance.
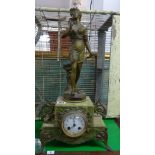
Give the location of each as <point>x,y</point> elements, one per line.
<point>45,137</point>
<point>103,135</point>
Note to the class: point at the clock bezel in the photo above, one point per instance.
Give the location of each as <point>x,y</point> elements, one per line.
<point>76,134</point>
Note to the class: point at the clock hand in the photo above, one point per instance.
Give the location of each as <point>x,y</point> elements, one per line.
<point>73,123</point>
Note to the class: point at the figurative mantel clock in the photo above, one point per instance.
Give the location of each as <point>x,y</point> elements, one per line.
<point>75,118</point>
<point>74,124</point>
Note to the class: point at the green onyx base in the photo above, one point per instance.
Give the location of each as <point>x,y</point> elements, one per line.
<point>95,129</point>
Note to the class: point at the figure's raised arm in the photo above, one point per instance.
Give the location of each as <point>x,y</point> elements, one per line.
<point>67,31</point>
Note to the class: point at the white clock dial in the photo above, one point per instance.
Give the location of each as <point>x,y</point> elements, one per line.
<point>74,124</point>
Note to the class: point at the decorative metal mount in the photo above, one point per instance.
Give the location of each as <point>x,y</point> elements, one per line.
<point>47,112</point>
<point>100,108</point>
<point>103,135</point>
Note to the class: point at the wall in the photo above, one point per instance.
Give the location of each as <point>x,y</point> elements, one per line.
<point>52,3</point>
<point>114,71</point>
<point>111,5</point>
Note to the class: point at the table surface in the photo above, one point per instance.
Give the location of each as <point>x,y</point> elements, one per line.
<point>85,153</point>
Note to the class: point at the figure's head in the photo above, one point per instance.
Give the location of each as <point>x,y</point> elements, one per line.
<point>75,13</point>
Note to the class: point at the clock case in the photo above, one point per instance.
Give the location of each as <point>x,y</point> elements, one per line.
<point>53,116</point>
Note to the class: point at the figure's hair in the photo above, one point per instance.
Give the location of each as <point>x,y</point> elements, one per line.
<point>79,12</point>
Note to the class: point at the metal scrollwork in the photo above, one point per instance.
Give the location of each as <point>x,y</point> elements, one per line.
<point>103,135</point>
<point>47,112</point>
<point>100,109</point>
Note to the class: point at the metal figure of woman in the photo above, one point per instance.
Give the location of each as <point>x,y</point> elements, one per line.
<point>79,40</point>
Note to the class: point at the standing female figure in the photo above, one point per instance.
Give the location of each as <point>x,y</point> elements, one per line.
<point>79,40</point>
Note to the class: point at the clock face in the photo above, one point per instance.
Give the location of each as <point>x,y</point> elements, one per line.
<point>74,124</point>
